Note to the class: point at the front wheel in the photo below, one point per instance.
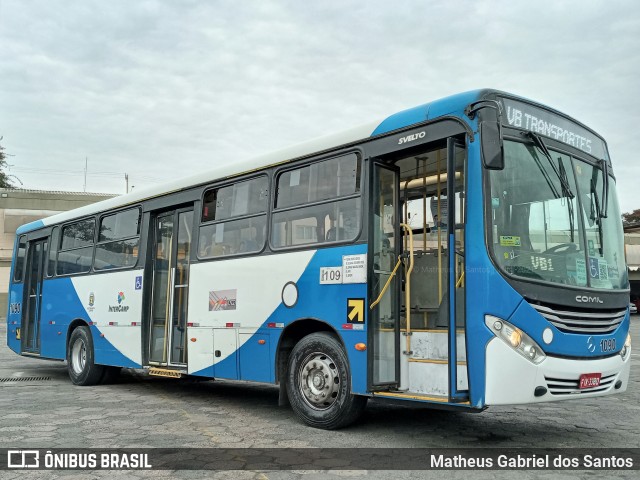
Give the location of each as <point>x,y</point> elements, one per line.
<point>80,359</point>
<point>319,384</point>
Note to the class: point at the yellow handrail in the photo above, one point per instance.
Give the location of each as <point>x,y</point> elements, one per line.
<point>386,285</point>
<point>395,269</point>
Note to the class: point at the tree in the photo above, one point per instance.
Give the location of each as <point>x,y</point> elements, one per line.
<point>5,181</point>
<point>631,218</point>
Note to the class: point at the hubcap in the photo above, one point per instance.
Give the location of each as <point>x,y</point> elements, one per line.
<point>78,356</point>
<point>319,381</point>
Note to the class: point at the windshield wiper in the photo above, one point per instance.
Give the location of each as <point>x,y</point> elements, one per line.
<point>535,157</point>
<point>605,188</point>
<point>597,218</point>
<point>537,140</point>
<point>567,193</point>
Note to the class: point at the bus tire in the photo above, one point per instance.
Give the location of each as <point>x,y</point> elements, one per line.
<point>80,359</point>
<point>319,383</point>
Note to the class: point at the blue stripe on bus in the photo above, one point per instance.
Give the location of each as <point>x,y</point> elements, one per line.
<point>14,297</point>
<point>486,290</point>
<point>327,303</point>
<point>29,227</point>
<point>428,111</point>
<point>565,344</point>
<point>61,305</point>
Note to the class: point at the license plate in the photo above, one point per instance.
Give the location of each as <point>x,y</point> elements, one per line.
<point>590,380</point>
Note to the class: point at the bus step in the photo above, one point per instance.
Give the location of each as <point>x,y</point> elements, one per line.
<point>417,396</point>
<point>163,372</point>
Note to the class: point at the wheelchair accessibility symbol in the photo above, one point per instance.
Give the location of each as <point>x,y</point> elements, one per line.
<point>139,283</point>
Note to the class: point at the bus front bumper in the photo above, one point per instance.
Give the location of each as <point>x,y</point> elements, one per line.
<point>512,379</point>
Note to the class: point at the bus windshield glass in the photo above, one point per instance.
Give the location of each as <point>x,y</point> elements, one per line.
<point>548,221</point>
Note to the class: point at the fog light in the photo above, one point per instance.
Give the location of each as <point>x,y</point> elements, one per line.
<point>540,391</point>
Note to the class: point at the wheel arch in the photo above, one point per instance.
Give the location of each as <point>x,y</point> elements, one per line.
<point>292,334</point>
<point>78,322</point>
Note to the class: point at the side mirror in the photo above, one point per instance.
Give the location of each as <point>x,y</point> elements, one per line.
<point>491,136</point>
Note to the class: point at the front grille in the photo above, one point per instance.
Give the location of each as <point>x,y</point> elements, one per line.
<point>584,322</point>
<point>565,386</point>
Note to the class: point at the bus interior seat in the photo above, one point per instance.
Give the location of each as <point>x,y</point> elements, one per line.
<point>336,233</point>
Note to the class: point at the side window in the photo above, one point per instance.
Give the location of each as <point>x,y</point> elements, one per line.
<point>234,219</point>
<point>18,271</point>
<point>76,249</point>
<point>318,203</point>
<point>53,250</point>
<point>118,240</point>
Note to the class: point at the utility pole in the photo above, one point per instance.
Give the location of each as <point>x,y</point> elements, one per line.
<point>86,160</point>
<point>126,181</point>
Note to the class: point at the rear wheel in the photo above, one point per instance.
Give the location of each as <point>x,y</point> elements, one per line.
<point>80,359</point>
<point>319,384</point>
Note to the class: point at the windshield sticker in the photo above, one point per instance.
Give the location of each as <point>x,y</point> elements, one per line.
<point>495,202</point>
<point>581,271</point>
<point>509,241</point>
<point>592,250</point>
<point>614,272</point>
<point>542,263</point>
<point>598,268</point>
<point>604,269</point>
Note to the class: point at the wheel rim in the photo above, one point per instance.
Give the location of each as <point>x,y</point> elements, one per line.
<point>319,381</point>
<point>78,356</point>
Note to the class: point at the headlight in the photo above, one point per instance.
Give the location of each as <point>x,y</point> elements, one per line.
<point>626,348</point>
<point>516,339</point>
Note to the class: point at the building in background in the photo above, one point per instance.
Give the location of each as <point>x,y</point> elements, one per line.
<point>17,207</point>
<point>632,252</point>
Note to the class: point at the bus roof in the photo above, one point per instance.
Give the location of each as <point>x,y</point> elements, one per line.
<point>455,103</point>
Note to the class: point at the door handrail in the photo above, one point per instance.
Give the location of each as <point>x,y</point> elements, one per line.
<point>395,269</point>
<point>386,285</point>
<point>407,289</point>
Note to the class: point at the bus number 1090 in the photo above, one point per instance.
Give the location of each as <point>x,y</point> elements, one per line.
<point>608,345</point>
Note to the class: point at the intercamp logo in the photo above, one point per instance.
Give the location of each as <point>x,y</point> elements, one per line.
<point>23,459</point>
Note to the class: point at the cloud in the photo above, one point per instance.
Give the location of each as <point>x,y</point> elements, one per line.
<point>160,88</point>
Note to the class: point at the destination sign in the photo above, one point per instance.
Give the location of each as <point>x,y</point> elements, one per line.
<point>534,119</point>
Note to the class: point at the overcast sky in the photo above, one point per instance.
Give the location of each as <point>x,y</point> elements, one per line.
<point>159,89</point>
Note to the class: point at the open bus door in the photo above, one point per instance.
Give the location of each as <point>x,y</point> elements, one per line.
<point>384,252</point>
<point>417,317</point>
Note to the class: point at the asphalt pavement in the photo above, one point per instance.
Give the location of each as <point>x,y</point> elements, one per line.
<point>42,409</point>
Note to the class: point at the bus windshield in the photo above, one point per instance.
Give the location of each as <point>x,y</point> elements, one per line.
<point>548,221</point>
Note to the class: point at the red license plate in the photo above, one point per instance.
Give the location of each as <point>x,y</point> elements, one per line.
<point>590,380</point>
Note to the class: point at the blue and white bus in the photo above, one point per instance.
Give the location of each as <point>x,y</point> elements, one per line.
<point>464,253</point>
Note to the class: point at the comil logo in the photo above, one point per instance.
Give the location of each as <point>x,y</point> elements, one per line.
<point>585,299</point>
<point>23,459</point>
